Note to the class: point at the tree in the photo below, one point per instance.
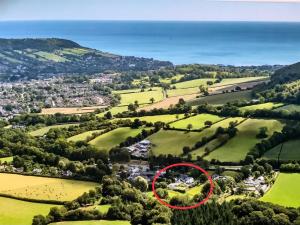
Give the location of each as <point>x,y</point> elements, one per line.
<point>152,100</point>
<point>262,133</point>
<point>189,126</point>
<point>132,107</point>
<point>39,220</point>
<point>186,150</point>
<point>108,115</point>
<point>208,123</point>
<point>141,183</point>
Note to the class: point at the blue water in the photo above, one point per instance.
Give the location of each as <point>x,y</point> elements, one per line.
<point>229,43</point>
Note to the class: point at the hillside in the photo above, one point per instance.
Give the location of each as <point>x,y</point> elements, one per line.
<point>40,58</point>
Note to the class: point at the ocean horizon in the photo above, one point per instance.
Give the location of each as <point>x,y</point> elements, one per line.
<point>181,42</point>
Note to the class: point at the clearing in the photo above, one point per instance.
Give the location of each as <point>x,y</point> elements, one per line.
<point>44,130</point>
<point>83,136</point>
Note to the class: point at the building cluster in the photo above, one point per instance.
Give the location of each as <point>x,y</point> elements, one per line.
<point>256,184</point>
<point>137,169</point>
<point>140,149</point>
<point>182,181</point>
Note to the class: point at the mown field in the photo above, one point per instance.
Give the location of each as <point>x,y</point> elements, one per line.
<point>113,138</point>
<point>42,188</point>
<point>6,159</point>
<point>15,212</point>
<point>268,105</point>
<point>114,110</point>
<point>169,80</point>
<point>152,119</point>
<point>237,148</point>
<point>290,151</point>
<point>70,110</point>
<point>285,190</point>
<point>192,83</point>
<point>42,131</point>
<point>83,136</point>
<point>198,121</point>
<point>289,108</point>
<point>229,81</point>
<point>94,222</point>
<point>183,91</point>
<point>142,97</point>
<point>221,99</point>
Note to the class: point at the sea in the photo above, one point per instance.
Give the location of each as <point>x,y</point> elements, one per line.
<point>227,43</point>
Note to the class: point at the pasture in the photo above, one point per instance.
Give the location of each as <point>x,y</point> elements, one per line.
<point>285,190</point>
<point>290,151</point>
<point>16,212</point>
<point>182,91</point>
<point>70,110</point>
<point>289,108</point>
<point>114,138</point>
<point>157,118</point>
<point>94,222</point>
<point>231,81</point>
<point>44,130</point>
<point>83,136</point>
<point>237,148</point>
<point>6,159</point>
<point>192,83</point>
<point>43,188</point>
<point>198,121</point>
<point>114,110</point>
<point>268,105</point>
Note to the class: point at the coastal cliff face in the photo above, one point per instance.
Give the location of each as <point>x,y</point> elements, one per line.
<point>41,58</point>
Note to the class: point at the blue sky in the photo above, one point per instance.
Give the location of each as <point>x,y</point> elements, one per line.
<point>223,10</point>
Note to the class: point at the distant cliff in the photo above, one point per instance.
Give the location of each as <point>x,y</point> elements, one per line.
<point>38,58</point>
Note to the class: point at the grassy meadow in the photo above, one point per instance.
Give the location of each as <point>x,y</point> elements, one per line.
<point>114,110</point>
<point>152,119</point>
<point>182,91</point>
<point>268,105</point>
<point>237,148</point>
<point>94,222</point>
<point>16,212</point>
<point>6,159</point>
<point>192,83</point>
<point>290,151</point>
<point>43,188</point>
<point>285,190</point>
<point>44,130</point>
<point>289,108</point>
<point>230,81</point>
<point>83,136</point>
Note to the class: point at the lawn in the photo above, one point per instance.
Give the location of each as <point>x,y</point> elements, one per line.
<point>15,212</point>
<point>43,188</point>
<point>183,91</point>
<point>157,118</point>
<point>285,190</point>
<point>142,97</point>
<point>114,138</point>
<point>192,83</point>
<point>237,148</point>
<point>222,98</point>
<point>268,105</point>
<point>6,159</point>
<point>83,136</point>
<point>290,151</point>
<point>94,222</point>
<point>289,108</point>
<point>196,121</point>
<point>42,131</point>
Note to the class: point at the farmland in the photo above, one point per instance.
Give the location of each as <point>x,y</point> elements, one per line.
<point>6,159</point>
<point>152,119</point>
<point>42,131</point>
<point>183,91</point>
<point>290,151</point>
<point>83,136</point>
<point>198,121</point>
<point>114,110</point>
<point>230,81</point>
<point>70,110</point>
<point>41,188</point>
<point>289,108</point>
<point>285,191</point>
<point>192,83</point>
<point>233,151</point>
<point>94,222</point>
<point>113,138</point>
<point>268,105</point>
<point>16,212</point>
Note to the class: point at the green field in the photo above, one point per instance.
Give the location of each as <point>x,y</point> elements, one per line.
<point>192,83</point>
<point>6,159</point>
<point>93,222</point>
<point>44,130</point>
<point>83,136</point>
<point>289,108</point>
<point>197,121</point>
<point>114,110</point>
<point>182,91</point>
<point>222,98</point>
<point>290,151</point>
<point>15,212</point>
<point>237,148</point>
<point>229,81</point>
<point>268,105</point>
<point>51,56</point>
<point>285,190</point>
<point>169,80</point>
<point>152,119</point>
<point>113,138</point>
<point>43,188</point>
<point>142,97</point>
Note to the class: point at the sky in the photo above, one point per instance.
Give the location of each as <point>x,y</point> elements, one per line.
<point>179,10</point>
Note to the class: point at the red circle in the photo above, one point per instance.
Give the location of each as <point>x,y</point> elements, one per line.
<point>183,207</point>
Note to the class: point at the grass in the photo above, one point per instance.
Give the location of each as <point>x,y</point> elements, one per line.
<point>222,98</point>
<point>197,121</point>
<point>192,83</point>
<point>183,91</point>
<point>6,159</point>
<point>113,138</point>
<point>142,97</point>
<point>285,190</point>
<point>70,110</point>
<point>152,119</point>
<point>114,110</point>
<point>83,136</point>
<point>230,81</point>
<point>94,222</point>
<point>44,130</point>
<point>290,151</point>
<point>51,56</point>
<point>15,212</point>
<point>169,80</point>
<point>43,188</point>
<point>289,108</point>
<point>237,148</point>
<point>268,105</point>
